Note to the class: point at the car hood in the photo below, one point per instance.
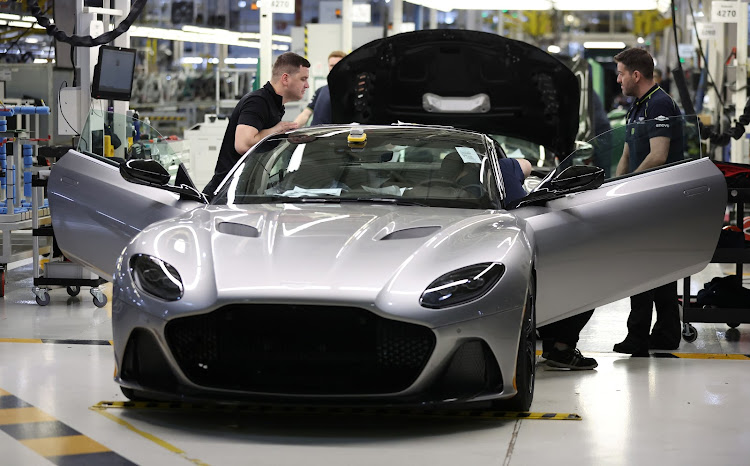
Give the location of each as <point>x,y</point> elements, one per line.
<point>531,95</point>
<point>287,251</point>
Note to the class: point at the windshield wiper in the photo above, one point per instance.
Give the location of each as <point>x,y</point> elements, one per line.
<point>370,200</point>
<point>384,200</point>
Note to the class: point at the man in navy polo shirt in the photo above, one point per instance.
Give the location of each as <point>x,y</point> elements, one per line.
<point>653,137</point>
<point>258,114</point>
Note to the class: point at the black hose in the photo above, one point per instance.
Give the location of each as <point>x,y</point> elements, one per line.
<point>87,41</point>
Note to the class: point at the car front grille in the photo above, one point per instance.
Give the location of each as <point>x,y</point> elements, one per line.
<point>299,349</point>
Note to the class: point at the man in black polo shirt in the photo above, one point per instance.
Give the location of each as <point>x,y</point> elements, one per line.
<point>653,137</point>
<point>258,114</point>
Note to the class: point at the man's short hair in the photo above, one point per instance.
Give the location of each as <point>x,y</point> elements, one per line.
<point>289,63</point>
<point>337,54</point>
<point>637,59</point>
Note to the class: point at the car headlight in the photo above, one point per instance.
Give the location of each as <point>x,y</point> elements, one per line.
<point>462,285</point>
<point>156,277</point>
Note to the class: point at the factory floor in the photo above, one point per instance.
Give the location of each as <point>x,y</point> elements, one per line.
<point>688,406</point>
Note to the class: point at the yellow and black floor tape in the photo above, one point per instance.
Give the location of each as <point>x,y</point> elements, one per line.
<point>335,410</point>
<point>56,341</point>
<point>663,355</point>
<point>56,441</point>
<point>741,357</point>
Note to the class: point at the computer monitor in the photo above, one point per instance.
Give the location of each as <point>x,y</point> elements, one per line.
<point>113,74</point>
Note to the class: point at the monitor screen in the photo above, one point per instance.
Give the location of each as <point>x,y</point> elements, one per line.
<point>113,74</point>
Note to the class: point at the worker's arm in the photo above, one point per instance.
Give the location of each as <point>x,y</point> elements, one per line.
<point>525,167</point>
<point>246,136</point>
<point>304,115</point>
<point>622,165</point>
<point>659,146</point>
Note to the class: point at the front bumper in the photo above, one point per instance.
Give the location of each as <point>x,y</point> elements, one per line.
<point>303,353</point>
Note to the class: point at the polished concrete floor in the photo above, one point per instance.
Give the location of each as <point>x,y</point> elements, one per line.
<point>56,368</point>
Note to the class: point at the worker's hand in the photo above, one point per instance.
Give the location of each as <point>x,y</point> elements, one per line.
<point>284,126</point>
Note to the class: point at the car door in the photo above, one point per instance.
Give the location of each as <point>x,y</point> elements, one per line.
<point>629,235</point>
<point>96,213</point>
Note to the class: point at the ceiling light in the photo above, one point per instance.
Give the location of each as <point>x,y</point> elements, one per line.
<point>604,45</point>
<point>554,49</point>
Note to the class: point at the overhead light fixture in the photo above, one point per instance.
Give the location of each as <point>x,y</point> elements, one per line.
<point>230,38</point>
<point>234,34</point>
<point>554,49</point>
<point>241,61</point>
<point>604,45</point>
<point>560,5</point>
<point>448,5</point>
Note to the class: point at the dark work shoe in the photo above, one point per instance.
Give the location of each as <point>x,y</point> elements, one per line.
<point>570,358</point>
<point>631,347</point>
<point>657,341</point>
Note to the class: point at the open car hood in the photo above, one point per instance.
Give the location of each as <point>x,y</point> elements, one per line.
<point>426,77</point>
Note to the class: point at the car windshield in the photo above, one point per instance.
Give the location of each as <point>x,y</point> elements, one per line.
<point>401,165</point>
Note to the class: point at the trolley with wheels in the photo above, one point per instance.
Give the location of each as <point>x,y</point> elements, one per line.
<point>62,272</point>
<point>733,317</point>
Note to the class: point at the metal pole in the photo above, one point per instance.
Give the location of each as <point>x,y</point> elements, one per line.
<point>739,151</point>
<point>266,30</point>
<point>346,25</point>
<point>398,16</point>
<point>433,18</point>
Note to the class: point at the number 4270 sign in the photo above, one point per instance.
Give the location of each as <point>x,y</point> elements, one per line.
<point>727,12</point>
<point>281,6</point>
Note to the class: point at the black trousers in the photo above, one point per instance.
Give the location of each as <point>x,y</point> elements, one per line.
<point>667,324</point>
<point>565,331</point>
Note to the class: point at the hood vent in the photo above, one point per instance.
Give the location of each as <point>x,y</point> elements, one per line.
<point>411,233</point>
<point>238,229</point>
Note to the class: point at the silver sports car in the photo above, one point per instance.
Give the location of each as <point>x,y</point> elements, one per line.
<point>369,264</point>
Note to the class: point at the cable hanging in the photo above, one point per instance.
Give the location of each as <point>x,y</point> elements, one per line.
<point>86,41</point>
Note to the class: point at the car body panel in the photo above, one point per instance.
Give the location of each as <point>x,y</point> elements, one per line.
<point>616,228</point>
<point>98,212</point>
<point>627,236</point>
<point>532,95</point>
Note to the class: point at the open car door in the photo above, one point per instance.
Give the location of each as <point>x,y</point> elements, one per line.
<point>96,212</point>
<point>631,234</point>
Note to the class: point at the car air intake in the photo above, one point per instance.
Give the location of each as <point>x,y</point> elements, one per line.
<point>299,349</point>
<point>473,370</point>
<point>144,362</point>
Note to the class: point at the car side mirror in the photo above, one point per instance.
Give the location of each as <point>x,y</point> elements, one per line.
<point>577,178</point>
<point>144,171</point>
<point>149,172</point>
<point>573,179</point>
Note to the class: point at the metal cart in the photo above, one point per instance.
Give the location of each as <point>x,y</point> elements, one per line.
<point>62,273</point>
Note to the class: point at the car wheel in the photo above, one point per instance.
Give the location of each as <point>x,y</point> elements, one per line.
<point>526,362</point>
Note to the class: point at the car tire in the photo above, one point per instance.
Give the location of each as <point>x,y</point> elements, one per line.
<point>526,359</point>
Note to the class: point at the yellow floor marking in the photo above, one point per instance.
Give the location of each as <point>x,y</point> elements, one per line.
<point>20,340</point>
<point>68,445</point>
<point>23,415</point>
<point>97,408</point>
<point>4,393</point>
<point>711,356</point>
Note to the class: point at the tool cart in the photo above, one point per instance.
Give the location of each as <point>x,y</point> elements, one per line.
<point>58,273</point>
<point>732,316</point>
